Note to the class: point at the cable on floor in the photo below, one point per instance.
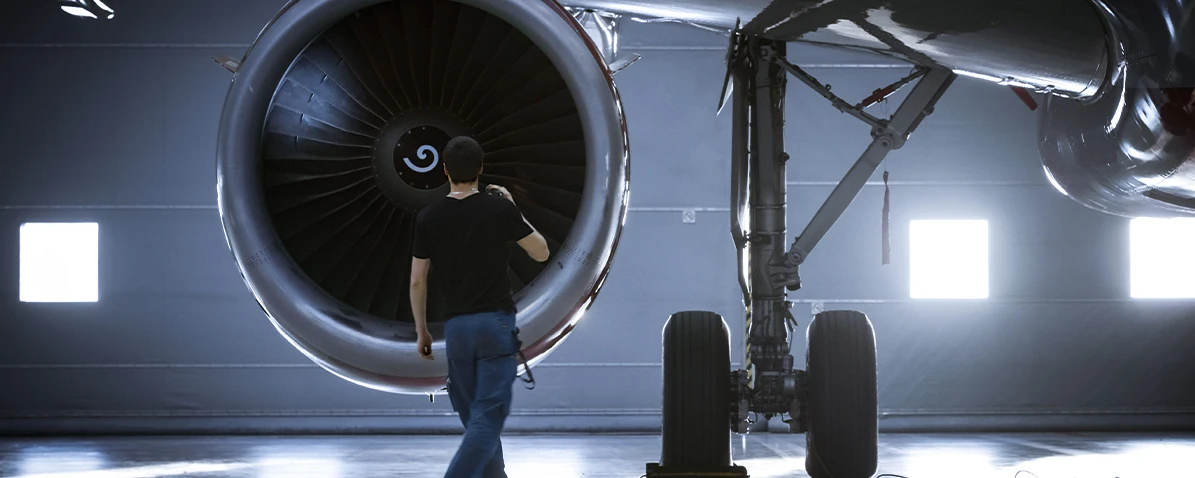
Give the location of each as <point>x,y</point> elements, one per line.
<point>890,475</point>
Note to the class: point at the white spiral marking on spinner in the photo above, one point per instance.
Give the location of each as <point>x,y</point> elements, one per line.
<point>422,153</point>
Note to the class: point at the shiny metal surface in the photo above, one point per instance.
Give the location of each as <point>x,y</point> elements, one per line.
<point>1050,46</point>
<point>1055,46</point>
<point>602,28</point>
<point>364,349</point>
<point>765,455</point>
<point>1132,152</point>
<point>1126,149</point>
<point>714,13</point>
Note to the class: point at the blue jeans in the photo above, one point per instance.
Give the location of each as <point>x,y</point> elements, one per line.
<point>481,352</point>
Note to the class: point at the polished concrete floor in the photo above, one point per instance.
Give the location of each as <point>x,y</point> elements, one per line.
<point>1080,455</point>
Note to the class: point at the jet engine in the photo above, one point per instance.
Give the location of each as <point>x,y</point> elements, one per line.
<point>1131,150</point>
<point>330,144</point>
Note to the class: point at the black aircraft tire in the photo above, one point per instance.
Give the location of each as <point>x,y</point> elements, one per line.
<point>696,433</point>
<point>841,438</point>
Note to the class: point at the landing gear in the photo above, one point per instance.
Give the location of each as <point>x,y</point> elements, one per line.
<point>834,401</point>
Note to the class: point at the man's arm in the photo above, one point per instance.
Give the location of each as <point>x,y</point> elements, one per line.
<point>419,269</point>
<point>535,244</point>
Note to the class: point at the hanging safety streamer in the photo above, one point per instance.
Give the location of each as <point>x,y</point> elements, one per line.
<point>887,238</point>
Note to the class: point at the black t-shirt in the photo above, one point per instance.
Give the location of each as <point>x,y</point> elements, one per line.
<point>468,242</point>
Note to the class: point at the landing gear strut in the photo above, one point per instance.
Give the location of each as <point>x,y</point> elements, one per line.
<point>833,401</point>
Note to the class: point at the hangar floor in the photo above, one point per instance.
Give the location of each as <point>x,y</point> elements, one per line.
<point>1079,455</point>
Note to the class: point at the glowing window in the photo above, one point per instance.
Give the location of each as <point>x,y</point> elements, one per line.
<point>1161,258</point>
<point>948,259</point>
<point>59,262</point>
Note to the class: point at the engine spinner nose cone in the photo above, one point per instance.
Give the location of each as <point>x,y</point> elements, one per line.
<point>408,157</point>
<point>417,157</point>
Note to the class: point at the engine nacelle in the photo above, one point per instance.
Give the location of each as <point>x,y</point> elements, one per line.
<point>1131,150</point>
<point>329,145</point>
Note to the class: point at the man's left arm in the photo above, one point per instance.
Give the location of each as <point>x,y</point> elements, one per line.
<point>419,269</point>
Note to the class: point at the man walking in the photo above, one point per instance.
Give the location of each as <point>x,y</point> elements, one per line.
<point>466,237</point>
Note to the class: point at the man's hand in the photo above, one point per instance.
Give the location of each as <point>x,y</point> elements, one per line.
<point>501,190</point>
<point>425,345</point>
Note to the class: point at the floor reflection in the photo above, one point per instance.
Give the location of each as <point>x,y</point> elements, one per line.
<point>289,466</point>
<point>568,456</point>
<point>1135,460</point>
<point>948,461</point>
<point>40,461</point>
<point>149,471</point>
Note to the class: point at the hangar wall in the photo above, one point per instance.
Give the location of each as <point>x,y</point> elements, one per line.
<point>115,122</point>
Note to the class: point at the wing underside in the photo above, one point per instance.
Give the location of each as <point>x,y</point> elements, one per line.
<point>1051,46</point>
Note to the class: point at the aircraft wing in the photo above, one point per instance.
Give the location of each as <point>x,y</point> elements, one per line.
<point>1050,46</point>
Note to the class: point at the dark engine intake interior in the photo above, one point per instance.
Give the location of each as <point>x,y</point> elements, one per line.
<point>354,133</point>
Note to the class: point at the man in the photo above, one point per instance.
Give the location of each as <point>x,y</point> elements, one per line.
<point>466,237</point>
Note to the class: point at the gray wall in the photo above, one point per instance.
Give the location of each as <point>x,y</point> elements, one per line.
<point>115,122</point>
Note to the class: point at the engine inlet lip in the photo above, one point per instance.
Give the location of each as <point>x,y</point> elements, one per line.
<point>352,344</point>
